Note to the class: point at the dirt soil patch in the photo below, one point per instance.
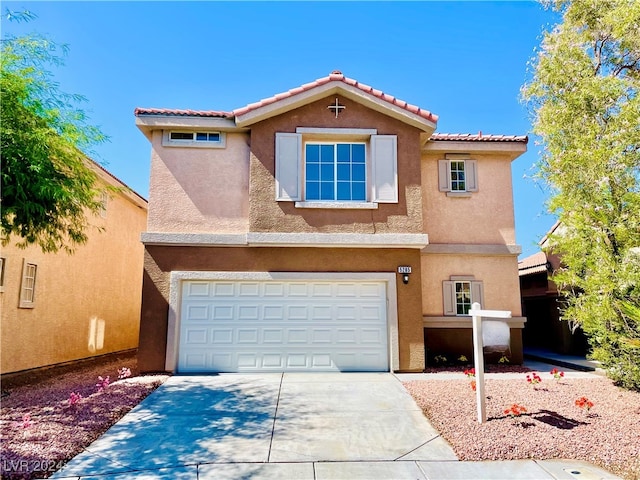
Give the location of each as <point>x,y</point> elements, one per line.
<point>43,427</point>
<point>553,425</point>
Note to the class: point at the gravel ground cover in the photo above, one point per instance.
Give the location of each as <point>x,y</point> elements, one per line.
<point>554,424</point>
<point>42,425</point>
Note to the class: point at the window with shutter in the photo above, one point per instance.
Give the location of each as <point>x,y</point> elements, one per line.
<point>457,175</point>
<point>338,173</point>
<point>459,294</point>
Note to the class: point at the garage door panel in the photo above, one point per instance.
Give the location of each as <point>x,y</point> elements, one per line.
<point>222,336</point>
<point>198,312</point>
<point>224,289</point>
<point>283,326</point>
<point>272,335</point>
<point>222,312</point>
<point>199,289</point>
<point>321,335</point>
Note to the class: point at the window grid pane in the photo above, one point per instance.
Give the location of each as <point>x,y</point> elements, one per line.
<point>463,298</point>
<point>458,177</point>
<point>335,172</point>
<point>28,283</point>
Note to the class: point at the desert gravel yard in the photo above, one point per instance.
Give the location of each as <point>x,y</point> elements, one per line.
<point>553,425</point>
<point>43,425</point>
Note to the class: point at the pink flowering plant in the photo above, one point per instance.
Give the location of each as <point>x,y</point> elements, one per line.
<point>557,374</point>
<point>124,372</point>
<point>26,420</point>
<point>74,399</point>
<point>102,383</point>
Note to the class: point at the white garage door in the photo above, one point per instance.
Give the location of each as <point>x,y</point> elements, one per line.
<point>245,326</point>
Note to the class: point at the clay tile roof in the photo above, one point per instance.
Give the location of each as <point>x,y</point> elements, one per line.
<point>535,263</point>
<point>479,137</point>
<point>181,113</point>
<point>337,76</point>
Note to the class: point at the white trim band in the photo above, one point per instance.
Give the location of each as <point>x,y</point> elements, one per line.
<point>269,239</point>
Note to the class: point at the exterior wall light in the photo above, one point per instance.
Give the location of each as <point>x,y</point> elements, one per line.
<point>404,271</point>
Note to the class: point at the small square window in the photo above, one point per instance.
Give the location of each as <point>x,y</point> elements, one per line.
<point>459,294</point>
<point>458,176</point>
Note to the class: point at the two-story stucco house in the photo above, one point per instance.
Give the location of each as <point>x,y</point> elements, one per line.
<point>280,235</point>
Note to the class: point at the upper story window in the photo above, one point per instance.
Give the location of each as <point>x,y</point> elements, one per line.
<point>335,171</point>
<point>457,175</point>
<point>201,139</point>
<point>336,168</point>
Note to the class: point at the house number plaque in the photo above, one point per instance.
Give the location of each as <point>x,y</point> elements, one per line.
<point>403,269</point>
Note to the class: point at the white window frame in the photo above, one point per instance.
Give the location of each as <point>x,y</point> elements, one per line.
<point>28,284</point>
<point>445,183</point>
<point>167,141</point>
<point>381,164</point>
<point>449,299</point>
<point>335,169</point>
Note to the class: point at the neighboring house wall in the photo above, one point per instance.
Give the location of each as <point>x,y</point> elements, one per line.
<point>85,304</point>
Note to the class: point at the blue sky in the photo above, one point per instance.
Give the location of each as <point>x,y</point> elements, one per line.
<point>464,61</point>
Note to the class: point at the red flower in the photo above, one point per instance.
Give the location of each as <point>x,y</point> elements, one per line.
<point>515,410</point>
<point>584,402</point>
<point>470,372</point>
<point>534,378</point>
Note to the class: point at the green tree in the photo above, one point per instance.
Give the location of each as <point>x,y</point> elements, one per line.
<point>48,186</point>
<point>584,100</point>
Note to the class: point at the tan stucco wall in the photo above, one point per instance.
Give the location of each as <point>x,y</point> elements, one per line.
<point>268,215</point>
<point>160,261</point>
<point>485,217</point>
<point>499,275</point>
<point>99,286</point>
<point>203,190</point>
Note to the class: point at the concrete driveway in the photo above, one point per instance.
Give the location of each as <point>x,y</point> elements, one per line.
<point>306,426</point>
<point>267,426</point>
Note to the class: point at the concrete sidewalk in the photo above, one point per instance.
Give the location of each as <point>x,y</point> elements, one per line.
<point>289,426</point>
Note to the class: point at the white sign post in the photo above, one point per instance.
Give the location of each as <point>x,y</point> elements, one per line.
<point>478,353</point>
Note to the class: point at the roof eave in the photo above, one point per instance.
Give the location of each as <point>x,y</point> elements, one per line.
<point>511,148</point>
<point>148,123</point>
<point>305,97</point>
